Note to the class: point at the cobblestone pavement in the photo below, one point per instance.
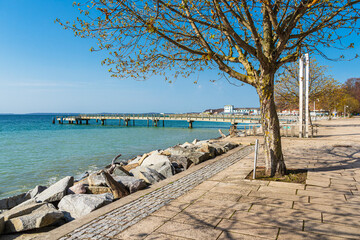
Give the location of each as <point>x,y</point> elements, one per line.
<point>112,223</point>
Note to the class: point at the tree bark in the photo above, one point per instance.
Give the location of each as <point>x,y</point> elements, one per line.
<point>271,127</point>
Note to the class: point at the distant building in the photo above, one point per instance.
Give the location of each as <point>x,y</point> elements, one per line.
<point>229,109</point>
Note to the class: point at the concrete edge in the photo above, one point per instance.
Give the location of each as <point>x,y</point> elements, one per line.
<point>73,225</point>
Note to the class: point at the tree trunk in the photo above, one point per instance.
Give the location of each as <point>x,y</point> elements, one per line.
<point>271,127</point>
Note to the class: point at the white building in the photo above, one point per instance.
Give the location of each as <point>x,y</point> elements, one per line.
<point>229,109</point>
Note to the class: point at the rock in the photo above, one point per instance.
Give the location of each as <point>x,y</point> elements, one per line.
<point>78,205</point>
<point>176,150</point>
<point>182,161</point>
<point>10,202</point>
<point>131,183</point>
<point>120,171</point>
<point>77,189</point>
<point>36,191</point>
<point>97,190</point>
<point>96,179</point>
<point>218,148</point>
<point>187,145</point>
<point>177,167</point>
<point>160,163</point>
<point>84,181</point>
<point>149,175</point>
<point>200,143</point>
<point>134,160</point>
<point>117,189</point>
<point>195,141</point>
<point>2,224</point>
<point>21,210</point>
<point>42,216</point>
<point>198,157</point>
<point>225,146</point>
<point>130,166</point>
<point>56,191</point>
<point>206,148</point>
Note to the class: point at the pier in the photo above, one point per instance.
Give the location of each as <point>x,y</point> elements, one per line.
<point>159,119</point>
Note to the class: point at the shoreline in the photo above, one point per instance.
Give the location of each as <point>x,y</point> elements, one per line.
<point>118,179</point>
<point>30,145</point>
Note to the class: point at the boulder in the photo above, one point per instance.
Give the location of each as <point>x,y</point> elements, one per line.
<point>97,190</point>
<point>2,224</point>
<point>218,148</point>
<point>134,160</point>
<point>149,175</point>
<point>78,205</point>
<point>200,143</point>
<point>131,166</point>
<point>228,145</point>
<point>77,189</point>
<point>131,183</point>
<point>84,181</point>
<point>22,210</point>
<point>42,216</point>
<point>10,202</point>
<point>176,150</point>
<point>195,141</point>
<point>117,189</point>
<point>207,148</point>
<point>56,191</point>
<point>177,167</point>
<point>96,179</point>
<point>198,157</point>
<point>182,161</point>
<point>187,145</point>
<point>159,163</point>
<point>120,171</point>
<point>36,191</point>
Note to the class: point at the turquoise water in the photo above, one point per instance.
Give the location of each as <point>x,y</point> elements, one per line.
<point>34,151</point>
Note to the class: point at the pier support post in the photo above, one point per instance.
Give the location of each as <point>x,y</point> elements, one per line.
<point>190,123</point>
<point>102,121</point>
<point>120,122</point>
<point>80,122</point>
<point>127,122</point>
<point>163,123</point>
<point>156,122</point>
<point>87,122</point>
<point>148,122</point>
<point>133,122</point>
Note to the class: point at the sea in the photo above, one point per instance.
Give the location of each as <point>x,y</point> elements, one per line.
<point>34,151</point>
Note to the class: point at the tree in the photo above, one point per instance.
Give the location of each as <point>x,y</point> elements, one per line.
<point>287,85</point>
<point>352,86</point>
<point>247,40</point>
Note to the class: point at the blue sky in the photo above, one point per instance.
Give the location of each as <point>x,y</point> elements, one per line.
<point>44,68</point>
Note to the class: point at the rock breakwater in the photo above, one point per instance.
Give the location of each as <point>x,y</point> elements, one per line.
<point>67,199</point>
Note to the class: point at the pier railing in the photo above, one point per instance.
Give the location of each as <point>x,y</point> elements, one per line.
<point>233,119</point>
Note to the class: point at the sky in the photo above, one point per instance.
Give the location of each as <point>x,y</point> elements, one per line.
<point>45,69</point>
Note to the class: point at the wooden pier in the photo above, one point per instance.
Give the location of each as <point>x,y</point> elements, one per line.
<point>156,118</point>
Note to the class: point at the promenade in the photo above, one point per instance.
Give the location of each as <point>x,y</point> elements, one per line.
<point>214,201</point>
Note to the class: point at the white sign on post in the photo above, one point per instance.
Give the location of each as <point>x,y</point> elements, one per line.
<point>255,157</point>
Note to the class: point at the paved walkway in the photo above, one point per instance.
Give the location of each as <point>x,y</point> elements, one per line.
<point>226,206</point>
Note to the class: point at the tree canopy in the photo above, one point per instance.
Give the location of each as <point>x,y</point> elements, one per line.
<point>247,40</point>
